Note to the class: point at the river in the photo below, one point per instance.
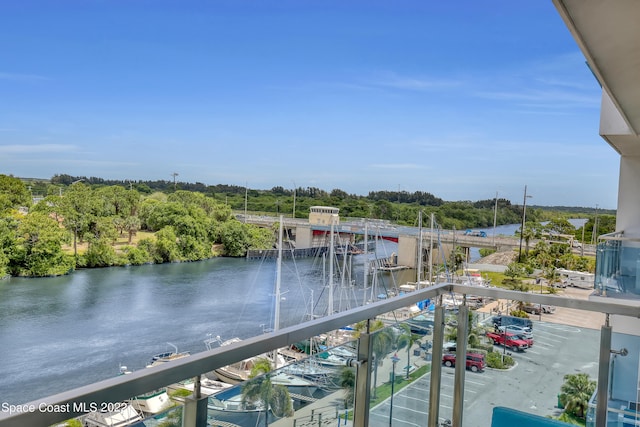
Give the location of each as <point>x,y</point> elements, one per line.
<point>59,333</point>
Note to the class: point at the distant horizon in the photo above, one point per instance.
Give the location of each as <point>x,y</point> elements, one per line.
<point>529,205</point>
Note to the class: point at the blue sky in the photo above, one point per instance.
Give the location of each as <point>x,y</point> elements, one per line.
<point>460,99</point>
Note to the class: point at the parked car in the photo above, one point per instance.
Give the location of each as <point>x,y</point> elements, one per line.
<point>528,338</point>
<point>500,320</point>
<point>475,361</point>
<point>536,308</point>
<point>449,347</point>
<point>476,233</point>
<point>516,330</point>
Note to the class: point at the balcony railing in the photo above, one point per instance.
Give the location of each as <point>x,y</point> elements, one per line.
<point>401,386</point>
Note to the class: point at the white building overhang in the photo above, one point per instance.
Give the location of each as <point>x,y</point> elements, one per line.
<point>608,33</point>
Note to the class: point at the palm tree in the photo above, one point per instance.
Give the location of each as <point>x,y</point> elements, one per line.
<point>407,338</point>
<point>382,345</point>
<point>260,389</point>
<point>347,382</point>
<point>382,342</point>
<point>576,392</point>
<point>528,234</point>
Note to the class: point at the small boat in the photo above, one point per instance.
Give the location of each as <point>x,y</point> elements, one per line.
<point>152,403</point>
<point>238,372</point>
<point>119,415</point>
<point>227,406</point>
<point>208,387</point>
<point>168,356</point>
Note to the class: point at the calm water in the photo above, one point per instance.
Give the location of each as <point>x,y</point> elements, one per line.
<point>64,332</point>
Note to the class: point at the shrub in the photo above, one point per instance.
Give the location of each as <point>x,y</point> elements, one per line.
<point>499,361</point>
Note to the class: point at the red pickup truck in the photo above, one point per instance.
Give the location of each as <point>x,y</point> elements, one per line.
<point>508,340</point>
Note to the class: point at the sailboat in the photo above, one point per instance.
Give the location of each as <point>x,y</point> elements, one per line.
<point>241,371</point>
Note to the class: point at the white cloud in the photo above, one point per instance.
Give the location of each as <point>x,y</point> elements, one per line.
<point>396,81</point>
<point>396,166</point>
<point>41,148</point>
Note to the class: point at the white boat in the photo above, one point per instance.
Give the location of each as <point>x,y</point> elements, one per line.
<point>152,403</point>
<point>168,356</point>
<point>208,387</point>
<point>238,372</point>
<point>122,414</point>
<point>228,407</point>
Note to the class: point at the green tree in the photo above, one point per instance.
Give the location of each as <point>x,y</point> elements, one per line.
<point>132,225</point>
<point>8,227</point>
<point>576,392</point>
<point>13,193</point>
<point>406,339</point>
<point>39,248</point>
<point>166,248</point>
<point>261,391</point>
<point>382,344</point>
<point>233,235</point>
<point>528,235</point>
<point>347,383</point>
<point>100,253</point>
<point>76,206</point>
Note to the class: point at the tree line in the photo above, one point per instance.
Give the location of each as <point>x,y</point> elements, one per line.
<point>44,223</point>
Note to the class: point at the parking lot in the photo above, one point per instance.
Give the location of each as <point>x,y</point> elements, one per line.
<point>565,342</point>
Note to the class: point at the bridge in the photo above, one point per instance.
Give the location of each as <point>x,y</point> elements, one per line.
<point>307,236</point>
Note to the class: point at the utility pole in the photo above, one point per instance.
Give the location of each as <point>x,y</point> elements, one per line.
<point>174,179</point>
<point>294,199</point>
<point>524,214</point>
<point>594,237</point>
<point>246,193</point>
<point>495,217</point>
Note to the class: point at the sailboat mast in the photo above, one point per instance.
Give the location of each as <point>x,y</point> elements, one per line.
<point>419,263</point>
<point>331,249</point>
<point>276,322</point>
<point>431,251</point>
<point>366,263</point>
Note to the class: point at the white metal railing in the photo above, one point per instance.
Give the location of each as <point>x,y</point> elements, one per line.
<point>37,413</point>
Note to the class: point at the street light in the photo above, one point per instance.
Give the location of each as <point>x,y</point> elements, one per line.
<point>524,214</point>
<point>394,360</point>
<point>540,314</point>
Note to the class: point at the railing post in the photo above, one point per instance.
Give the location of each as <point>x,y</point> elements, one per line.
<point>436,366</point>
<point>194,412</point>
<point>602,398</point>
<point>461,364</point>
<point>363,380</point>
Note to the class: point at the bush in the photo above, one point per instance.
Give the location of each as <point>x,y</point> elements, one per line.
<point>137,255</point>
<point>519,313</point>
<point>498,360</point>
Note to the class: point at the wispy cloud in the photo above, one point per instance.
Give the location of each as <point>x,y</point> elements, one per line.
<point>41,148</point>
<point>22,77</point>
<point>545,98</point>
<point>412,83</point>
<point>400,166</point>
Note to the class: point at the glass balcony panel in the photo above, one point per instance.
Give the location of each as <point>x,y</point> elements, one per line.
<point>618,266</point>
<point>399,360</point>
<point>169,418</point>
<point>534,382</point>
